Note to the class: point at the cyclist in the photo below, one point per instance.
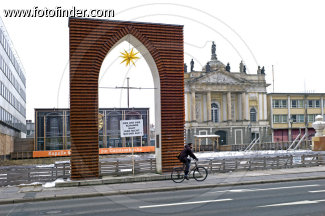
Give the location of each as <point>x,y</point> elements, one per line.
<point>183,158</point>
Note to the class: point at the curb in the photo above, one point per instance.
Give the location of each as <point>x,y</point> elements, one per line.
<point>135,191</point>
<point>117,180</point>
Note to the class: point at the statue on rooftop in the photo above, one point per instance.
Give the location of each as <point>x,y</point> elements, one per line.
<point>241,67</point>
<point>213,48</point>
<point>228,67</point>
<point>244,69</point>
<point>213,51</point>
<point>208,68</point>
<point>192,65</point>
<point>185,68</point>
<point>263,70</point>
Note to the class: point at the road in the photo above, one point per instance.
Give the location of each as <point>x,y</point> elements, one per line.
<point>288,198</point>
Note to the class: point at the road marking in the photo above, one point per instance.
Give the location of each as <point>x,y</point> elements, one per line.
<point>264,189</point>
<point>185,203</point>
<point>304,202</point>
<point>319,191</point>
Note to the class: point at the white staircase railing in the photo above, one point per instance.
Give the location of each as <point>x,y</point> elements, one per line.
<point>252,144</point>
<point>298,144</point>
<point>294,141</point>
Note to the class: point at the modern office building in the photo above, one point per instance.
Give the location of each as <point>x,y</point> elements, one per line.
<point>12,94</point>
<point>52,128</point>
<point>292,114</point>
<point>230,104</point>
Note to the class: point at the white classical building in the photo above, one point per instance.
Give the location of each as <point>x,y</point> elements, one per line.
<point>230,104</point>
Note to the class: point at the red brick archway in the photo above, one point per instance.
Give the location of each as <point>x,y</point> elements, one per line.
<point>90,41</point>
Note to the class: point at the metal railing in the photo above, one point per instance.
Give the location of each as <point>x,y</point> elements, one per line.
<point>16,175</point>
<point>263,163</point>
<point>305,145</point>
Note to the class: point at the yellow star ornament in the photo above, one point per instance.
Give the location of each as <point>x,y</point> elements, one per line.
<point>129,57</point>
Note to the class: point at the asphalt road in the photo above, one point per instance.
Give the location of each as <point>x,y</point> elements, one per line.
<point>288,198</point>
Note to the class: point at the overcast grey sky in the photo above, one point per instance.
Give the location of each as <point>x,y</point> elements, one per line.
<point>287,34</point>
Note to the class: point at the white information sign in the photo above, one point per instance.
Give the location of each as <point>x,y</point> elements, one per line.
<point>131,128</point>
<point>296,160</point>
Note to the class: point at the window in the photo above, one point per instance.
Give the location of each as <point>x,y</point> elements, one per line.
<point>279,103</point>
<point>214,112</point>
<point>313,103</point>
<point>253,115</point>
<point>311,117</point>
<point>297,103</point>
<point>298,118</point>
<point>280,118</point>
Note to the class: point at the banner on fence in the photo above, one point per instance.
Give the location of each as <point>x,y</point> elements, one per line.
<point>51,153</point>
<point>62,153</point>
<point>126,150</point>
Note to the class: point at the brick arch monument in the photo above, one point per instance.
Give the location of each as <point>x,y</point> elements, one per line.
<point>90,41</point>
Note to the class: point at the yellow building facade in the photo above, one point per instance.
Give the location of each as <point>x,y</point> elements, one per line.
<point>292,114</point>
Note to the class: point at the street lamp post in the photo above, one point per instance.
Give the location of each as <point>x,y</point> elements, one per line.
<point>290,135</point>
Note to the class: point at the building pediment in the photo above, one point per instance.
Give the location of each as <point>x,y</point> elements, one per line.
<point>220,77</point>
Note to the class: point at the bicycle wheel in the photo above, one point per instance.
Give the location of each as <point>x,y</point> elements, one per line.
<point>200,174</point>
<point>177,175</point>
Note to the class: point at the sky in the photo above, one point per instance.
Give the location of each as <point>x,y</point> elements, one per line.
<point>289,35</point>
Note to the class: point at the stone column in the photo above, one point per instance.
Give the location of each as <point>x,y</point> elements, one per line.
<point>260,107</point>
<point>209,105</point>
<point>224,107</point>
<point>243,102</point>
<point>248,117</point>
<point>193,107</point>
<point>265,107</point>
<point>229,106</point>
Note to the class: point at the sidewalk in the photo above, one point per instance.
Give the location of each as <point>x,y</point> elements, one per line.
<point>151,183</point>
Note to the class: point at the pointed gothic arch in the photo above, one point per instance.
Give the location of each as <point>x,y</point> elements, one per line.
<point>162,47</point>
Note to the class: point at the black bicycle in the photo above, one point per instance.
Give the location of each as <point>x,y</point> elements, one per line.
<point>199,173</point>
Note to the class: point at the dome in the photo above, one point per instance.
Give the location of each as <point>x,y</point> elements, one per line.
<point>215,65</point>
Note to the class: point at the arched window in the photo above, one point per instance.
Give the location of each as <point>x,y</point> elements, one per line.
<point>253,114</point>
<point>214,112</point>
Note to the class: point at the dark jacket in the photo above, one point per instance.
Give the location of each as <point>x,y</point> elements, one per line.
<point>186,152</point>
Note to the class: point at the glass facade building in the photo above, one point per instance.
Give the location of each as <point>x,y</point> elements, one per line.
<point>12,88</point>
<point>52,128</point>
